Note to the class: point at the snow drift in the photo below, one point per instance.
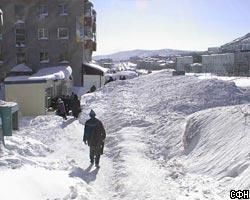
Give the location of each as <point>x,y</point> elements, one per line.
<point>217,143</point>
<point>162,104</point>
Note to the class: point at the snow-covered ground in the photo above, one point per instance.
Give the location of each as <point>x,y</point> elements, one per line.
<point>167,138</point>
<point>239,81</point>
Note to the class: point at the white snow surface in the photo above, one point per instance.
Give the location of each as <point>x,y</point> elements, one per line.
<point>168,137</point>
<point>239,81</point>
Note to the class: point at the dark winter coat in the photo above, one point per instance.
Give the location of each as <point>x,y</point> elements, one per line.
<point>61,108</point>
<point>94,133</point>
<point>76,106</point>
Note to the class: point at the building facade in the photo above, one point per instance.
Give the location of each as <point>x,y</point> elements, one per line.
<point>220,64</point>
<point>182,63</point>
<point>47,33</point>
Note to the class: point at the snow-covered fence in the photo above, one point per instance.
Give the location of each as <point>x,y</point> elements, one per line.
<point>221,64</point>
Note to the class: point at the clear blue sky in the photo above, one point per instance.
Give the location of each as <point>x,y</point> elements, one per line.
<point>177,24</point>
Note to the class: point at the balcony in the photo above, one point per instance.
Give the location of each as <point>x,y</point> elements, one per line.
<point>90,44</point>
<point>94,46</point>
<point>88,21</point>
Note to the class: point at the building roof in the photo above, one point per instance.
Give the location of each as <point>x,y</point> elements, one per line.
<point>53,73</point>
<point>21,68</point>
<point>7,104</point>
<point>97,67</point>
<point>241,40</point>
<point>50,73</point>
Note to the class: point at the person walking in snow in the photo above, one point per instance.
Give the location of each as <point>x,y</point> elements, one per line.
<point>94,136</point>
<point>76,107</point>
<point>61,111</point>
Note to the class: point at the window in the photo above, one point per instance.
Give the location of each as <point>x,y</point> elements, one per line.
<point>63,9</point>
<point>64,57</point>
<point>43,34</point>
<point>43,10</point>
<point>44,56</point>
<point>19,11</point>
<point>63,33</point>
<point>20,37</point>
<point>21,57</point>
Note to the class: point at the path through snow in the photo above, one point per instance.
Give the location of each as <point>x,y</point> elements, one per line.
<point>145,119</point>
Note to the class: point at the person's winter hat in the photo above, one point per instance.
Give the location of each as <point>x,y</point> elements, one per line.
<point>92,114</point>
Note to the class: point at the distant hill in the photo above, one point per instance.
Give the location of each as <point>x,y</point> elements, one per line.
<point>125,55</point>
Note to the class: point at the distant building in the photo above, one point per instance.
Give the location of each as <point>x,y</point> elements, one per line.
<point>220,64</point>
<point>214,50</point>
<point>183,62</point>
<point>94,75</point>
<point>45,33</point>
<point>242,64</point>
<point>106,63</point>
<point>237,45</point>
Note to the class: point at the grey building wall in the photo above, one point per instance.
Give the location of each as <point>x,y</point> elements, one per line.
<point>77,51</point>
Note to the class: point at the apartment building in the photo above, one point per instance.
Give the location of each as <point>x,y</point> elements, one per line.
<point>47,33</point>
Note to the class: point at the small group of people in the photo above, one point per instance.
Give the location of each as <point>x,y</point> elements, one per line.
<point>65,104</point>
<point>112,79</point>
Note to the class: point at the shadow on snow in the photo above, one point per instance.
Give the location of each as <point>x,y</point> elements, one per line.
<point>85,174</point>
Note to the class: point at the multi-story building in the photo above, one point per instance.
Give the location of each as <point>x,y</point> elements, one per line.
<point>47,33</point>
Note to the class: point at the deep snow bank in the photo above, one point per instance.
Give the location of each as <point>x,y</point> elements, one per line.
<point>161,103</point>
<point>34,139</point>
<point>217,143</point>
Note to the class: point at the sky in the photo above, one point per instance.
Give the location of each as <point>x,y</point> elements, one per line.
<point>175,24</point>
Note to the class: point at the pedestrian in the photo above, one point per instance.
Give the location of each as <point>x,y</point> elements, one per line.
<point>76,107</point>
<point>93,88</point>
<point>71,100</point>
<point>67,104</point>
<point>61,111</point>
<point>94,136</point>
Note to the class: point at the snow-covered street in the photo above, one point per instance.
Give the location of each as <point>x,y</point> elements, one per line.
<point>167,138</point>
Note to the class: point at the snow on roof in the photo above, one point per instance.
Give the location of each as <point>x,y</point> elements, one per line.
<point>95,66</point>
<point>21,68</point>
<point>7,104</point>
<point>196,64</point>
<point>50,73</point>
<point>19,22</point>
<point>17,78</point>
<point>54,73</point>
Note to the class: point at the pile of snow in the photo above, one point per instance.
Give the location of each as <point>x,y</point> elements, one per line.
<point>158,146</point>
<point>217,143</point>
<point>159,104</point>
